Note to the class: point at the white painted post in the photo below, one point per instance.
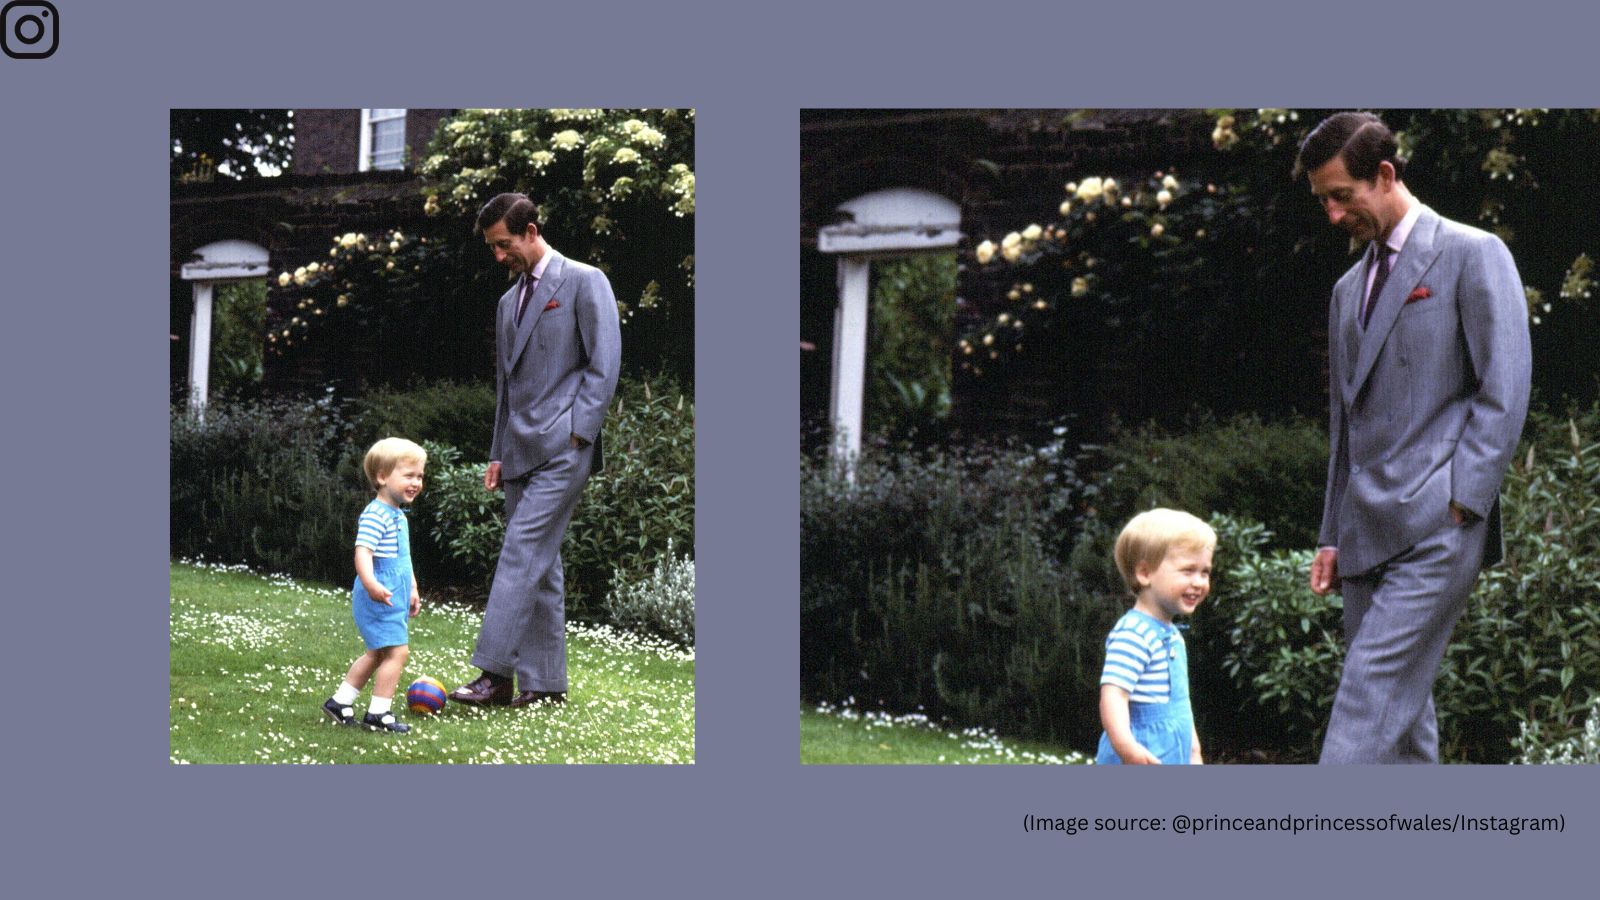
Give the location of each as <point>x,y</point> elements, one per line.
<point>850,356</point>
<point>200,347</point>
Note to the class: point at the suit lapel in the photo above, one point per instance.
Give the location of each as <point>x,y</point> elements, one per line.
<point>1415,258</point>
<point>554,274</point>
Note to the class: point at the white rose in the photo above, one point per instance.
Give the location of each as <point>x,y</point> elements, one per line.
<point>1089,190</point>
<point>985,252</point>
<point>1066,207</point>
<point>284,279</point>
<point>1032,233</point>
<point>1169,183</point>
<point>1080,286</point>
<point>1011,253</point>
<point>1157,229</point>
<point>1163,198</point>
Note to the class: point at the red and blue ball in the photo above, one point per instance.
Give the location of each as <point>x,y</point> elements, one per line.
<point>425,696</point>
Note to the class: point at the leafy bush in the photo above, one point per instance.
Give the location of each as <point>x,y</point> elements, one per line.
<point>465,523</point>
<point>929,583</point>
<point>643,499</point>
<point>261,483</point>
<point>1267,472</point>
<point>457,414</point>
<point>1523,664</point>
<point>663,602</point>
<point>1527,649</point>
<point>1276,641</point>
<point>1534,747</point>
<point>933,582</point>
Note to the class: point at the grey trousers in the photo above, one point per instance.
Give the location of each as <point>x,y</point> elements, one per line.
<point>524,627</point>
<point>1397,623</point>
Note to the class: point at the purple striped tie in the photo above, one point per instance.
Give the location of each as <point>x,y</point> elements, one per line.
<point>528,281</point>
<point>1377,283</point>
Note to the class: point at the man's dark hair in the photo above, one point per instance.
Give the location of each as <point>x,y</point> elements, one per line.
<point>516,210</point>
<point>1361,138</point>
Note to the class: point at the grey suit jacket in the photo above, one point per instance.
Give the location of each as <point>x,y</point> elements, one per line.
<point>556,372</point>
<point>1427,403</point>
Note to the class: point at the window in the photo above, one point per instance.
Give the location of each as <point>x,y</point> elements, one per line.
<point>383,139</point>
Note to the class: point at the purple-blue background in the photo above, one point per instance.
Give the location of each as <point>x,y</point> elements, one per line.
<point>84,256</point>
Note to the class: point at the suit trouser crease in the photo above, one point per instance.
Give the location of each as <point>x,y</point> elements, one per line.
<point>1398,619</point>
<point>524,626</point>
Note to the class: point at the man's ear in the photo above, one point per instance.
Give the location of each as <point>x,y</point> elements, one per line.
<point>1386,176</point>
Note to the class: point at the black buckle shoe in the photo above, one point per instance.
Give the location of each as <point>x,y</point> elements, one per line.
<point>343,715</point>
<point>384,722</point>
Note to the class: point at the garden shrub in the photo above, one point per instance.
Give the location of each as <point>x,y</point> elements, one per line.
<point>643,498</point>
<point>260,483</point>
<point>1535,747</point>
<point>1265,650</point>
<point>662,602</point>
<point>628,512</point>
<point>929,583</point>
<point>1267,472</point>
<point>1524,658</point>
<point>465,524</point>
<point>458,414</point>
<point>1527,649</point>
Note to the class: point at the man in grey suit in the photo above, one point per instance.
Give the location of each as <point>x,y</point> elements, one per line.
<point>1428,374</point>
<point>557,351</point>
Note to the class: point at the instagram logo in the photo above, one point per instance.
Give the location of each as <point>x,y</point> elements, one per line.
<point>29,29</point>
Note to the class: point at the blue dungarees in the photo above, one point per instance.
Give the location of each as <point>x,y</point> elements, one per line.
<point>1165,729</point>
<point>380,625</point>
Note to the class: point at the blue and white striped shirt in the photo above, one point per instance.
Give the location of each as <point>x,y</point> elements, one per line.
<point>379,530</point>
<point>1139,650</point>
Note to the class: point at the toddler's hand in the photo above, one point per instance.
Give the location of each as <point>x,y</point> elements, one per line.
<point>416,603</point>
<point>1142,757</point>
<point>381,595</point>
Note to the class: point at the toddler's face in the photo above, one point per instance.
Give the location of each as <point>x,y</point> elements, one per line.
<point>1176,587</point>
<point>402,484</point>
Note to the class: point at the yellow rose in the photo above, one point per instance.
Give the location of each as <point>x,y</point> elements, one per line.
<point>1089,190</point>
<point>1066,207</point>
<point>1032,233</point>
<point>1012,239</point>
<point>1080,286</point>
<point>985,252</point>
<point>284,279</point>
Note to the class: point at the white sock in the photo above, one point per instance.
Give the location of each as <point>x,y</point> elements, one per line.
<point>379,705</point>
<point>346,694</point>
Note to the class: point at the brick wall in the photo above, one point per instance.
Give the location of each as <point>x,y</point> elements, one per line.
<point>328,141</point>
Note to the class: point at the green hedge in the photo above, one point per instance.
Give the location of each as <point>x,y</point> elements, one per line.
<point>938,581</point>
<point>277,484</point>
<point>263,483</point>
<point>643,499</point>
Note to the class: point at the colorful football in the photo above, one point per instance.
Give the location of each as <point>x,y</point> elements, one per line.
<point>425,696</point>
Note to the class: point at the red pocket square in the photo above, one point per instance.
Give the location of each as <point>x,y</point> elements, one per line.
<point>555,303</point>
<point>1420,293</point>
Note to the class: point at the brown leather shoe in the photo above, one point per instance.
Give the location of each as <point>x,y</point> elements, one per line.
<point>528,698</point>
<point>486,690</point>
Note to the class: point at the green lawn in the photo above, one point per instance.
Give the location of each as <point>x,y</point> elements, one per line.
<point>833,735</point>
<point>253,658</point>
